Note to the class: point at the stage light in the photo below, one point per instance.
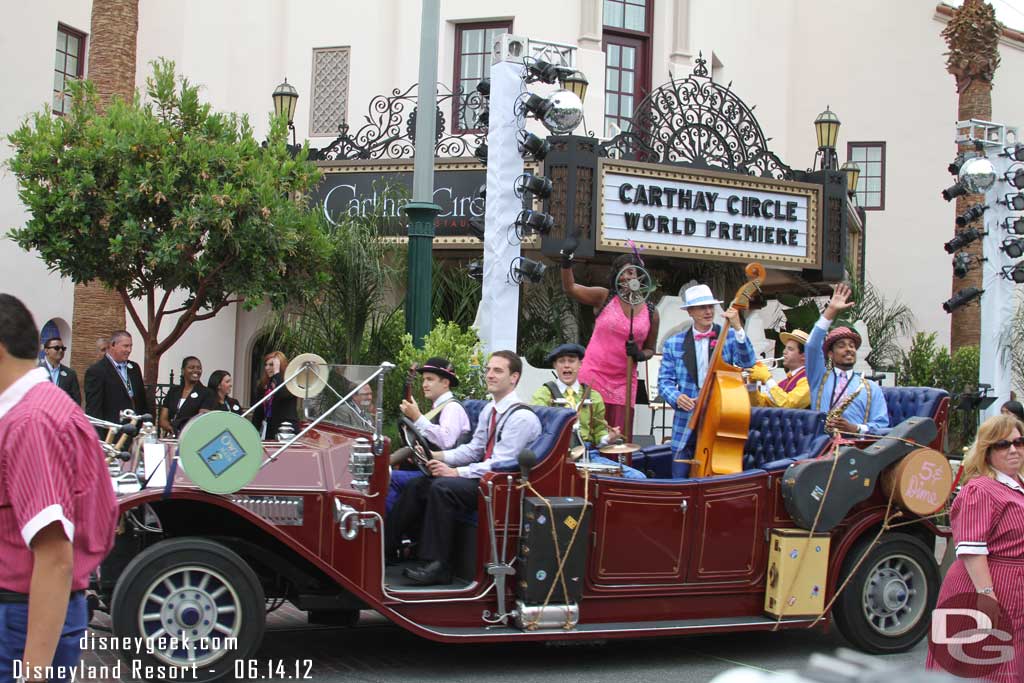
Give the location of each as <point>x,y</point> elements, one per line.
<point>545,72</point>
<point>958,161</point>
<point>962,240</point>
<point>483,87</point>
<point>537,185</point>
<point>1014,248</point>
<point>954,191</point>
<point>560,112</point>
<point>1015,273</point>
<point>483,119</point>
<point>961,264</point>
<point>533,145</point>
<point>522,267</point>
<point>962,298</point>
<point>1013,201</point>
<point>481,153</point>
<point>977,175</point>
<point>1017,179</point>
<point>972,214</point>
<point>475,269</point>
<point>1015,225</point>
<point>529,221</point>
<point>1016,152</point>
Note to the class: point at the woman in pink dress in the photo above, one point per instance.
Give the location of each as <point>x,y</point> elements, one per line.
<point>604,365</point>
<point>988,529</point>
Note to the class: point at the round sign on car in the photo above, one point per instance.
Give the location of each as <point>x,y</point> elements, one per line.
<point>221,452</point>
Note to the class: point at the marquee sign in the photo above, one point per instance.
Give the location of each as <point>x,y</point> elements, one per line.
<point>675,211</point>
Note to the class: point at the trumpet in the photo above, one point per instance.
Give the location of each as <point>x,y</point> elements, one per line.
<point>772,363</point>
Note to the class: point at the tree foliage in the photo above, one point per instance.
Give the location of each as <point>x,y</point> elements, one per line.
<point>973,39</point>
<point>168,202</point>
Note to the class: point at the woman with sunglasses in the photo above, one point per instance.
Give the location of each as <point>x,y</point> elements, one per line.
<point>988,529</point>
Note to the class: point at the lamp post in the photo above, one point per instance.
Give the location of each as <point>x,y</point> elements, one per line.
<point>852,177</point>
<point>285,97</point>
<point>826,126</point>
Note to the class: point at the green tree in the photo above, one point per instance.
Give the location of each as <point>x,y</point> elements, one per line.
<point>167,199</point>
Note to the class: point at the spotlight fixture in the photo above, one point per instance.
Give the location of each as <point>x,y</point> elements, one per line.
<point>537,185</point>
<point>962,298</point>
<point>1014,248</point>
<point>529,221</point>
<point>972,214</point>
<point>962,239</point>
<point>961,264</point>
<point>533,145</point>
<point>523,268</point>
<point>1015,225</point>
<point>483,119</point>
<point>560,112</point>
<point>1017,179</point>
<point>481,153</point>
<point>475,269</point>
<point>1015,273</point>
<point>476,226</point>
<point>954,191</point>
<point>545,72</point>
<point>1013,201</point>
<point>958,161</point>
<point>483,86</point>
<point>1016,152</point>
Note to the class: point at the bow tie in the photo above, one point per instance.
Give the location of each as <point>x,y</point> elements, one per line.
<point>710,334</point>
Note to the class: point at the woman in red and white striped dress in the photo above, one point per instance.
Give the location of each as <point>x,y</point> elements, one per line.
<point>988,529</point>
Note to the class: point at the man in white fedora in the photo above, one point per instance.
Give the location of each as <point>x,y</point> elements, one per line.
<point>684,365</point>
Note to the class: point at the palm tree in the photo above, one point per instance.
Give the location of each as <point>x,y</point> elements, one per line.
<point>114,33</point>
<point>973,39</point>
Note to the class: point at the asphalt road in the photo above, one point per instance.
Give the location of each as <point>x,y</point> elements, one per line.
<point>376,651</point>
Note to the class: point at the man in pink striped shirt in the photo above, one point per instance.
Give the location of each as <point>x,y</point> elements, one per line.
<point>57,510</point>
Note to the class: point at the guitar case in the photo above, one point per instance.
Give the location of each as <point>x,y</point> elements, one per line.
<point>856,474</point>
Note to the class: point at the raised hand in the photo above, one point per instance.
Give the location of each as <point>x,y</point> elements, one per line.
<point>840,301</point>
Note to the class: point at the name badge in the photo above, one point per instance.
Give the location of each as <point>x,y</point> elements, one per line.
<point>193,395</point>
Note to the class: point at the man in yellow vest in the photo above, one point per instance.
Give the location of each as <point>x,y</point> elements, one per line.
<point>793,391</point>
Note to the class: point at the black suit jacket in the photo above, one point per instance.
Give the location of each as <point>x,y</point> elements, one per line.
<point>690,351</point>
<point>67,379</point>
<point>106,395</point>
<point>197,398</point>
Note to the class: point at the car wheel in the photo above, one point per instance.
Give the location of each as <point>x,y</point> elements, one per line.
<point>199,604</point>
<point>885,608</point>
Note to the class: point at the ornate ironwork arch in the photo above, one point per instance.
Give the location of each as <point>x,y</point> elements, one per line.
<point>389,131</point>
<point>697,122</point>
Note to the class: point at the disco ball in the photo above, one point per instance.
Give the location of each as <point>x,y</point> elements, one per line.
<point>564,111</point>
<point>977,175</point>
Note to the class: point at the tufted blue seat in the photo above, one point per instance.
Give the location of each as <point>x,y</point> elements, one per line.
<point>552,422</point>
<point>904,402</point>
<point>778,436</point>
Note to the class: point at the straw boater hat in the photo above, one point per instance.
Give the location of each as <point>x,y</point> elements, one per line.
<point>440,367</point>
<point>698,295</point>
<point>841,333</point>
<point>799,336</point>
<point>564,350</point>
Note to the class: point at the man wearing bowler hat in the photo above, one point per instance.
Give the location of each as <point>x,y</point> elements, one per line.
<point>566,391</point>
<point>685,360</point>
<point>831,384</point>
<point>793,391</point>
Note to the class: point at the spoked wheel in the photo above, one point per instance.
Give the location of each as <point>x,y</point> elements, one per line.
<point>886,605</point>
<point>195,603</point>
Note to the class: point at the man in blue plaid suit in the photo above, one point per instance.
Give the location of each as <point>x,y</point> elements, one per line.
<point>685,359</point>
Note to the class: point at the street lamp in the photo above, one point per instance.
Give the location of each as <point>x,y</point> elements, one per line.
<point>826,126</point>
<point>852,176</point>
<point>285,96</point>
<point>576,83</point>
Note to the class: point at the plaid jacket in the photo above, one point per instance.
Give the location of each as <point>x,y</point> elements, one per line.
<point>678,374</point>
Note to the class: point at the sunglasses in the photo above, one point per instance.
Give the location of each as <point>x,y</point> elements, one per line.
<point>1004,444</point>
<point>56,348</point>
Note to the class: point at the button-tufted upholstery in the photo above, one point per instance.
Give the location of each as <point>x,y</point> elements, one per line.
<point>552,422</point>
<point>778,436</point>
<point>904,402</point>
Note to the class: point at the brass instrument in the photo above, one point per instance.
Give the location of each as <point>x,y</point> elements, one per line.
<point>840,408</point>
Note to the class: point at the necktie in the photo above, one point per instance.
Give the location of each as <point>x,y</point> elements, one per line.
<point>842,381</point>
<point>570,397</point>
<point>123,371</point>
<point>491,435</point>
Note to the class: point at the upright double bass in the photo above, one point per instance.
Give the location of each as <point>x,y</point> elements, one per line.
<point>721,415</point>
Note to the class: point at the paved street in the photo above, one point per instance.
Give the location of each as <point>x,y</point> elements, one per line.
<point>377,651</point>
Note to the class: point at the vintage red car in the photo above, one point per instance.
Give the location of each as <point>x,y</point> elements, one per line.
<point>194,571</point>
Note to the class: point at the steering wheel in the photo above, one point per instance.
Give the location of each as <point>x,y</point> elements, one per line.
<point>412,437</point>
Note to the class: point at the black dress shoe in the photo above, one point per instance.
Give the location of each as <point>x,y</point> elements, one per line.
<point>431,573</point>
